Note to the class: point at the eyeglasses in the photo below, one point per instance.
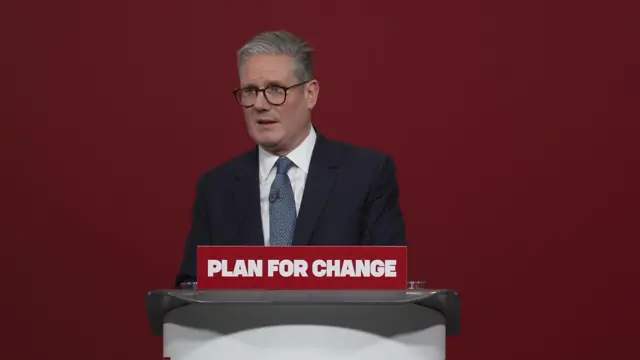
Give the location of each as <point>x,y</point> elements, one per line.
<point>275,95</point>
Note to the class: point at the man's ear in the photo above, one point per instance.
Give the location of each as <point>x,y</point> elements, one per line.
<point>312,91</point>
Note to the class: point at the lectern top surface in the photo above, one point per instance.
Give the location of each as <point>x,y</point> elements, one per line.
<point>301,296</point>
<point>160,302</point>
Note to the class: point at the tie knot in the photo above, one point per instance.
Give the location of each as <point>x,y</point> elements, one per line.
<point>283,165</point>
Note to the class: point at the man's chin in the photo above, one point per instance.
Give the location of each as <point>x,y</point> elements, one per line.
<point>268,142</point>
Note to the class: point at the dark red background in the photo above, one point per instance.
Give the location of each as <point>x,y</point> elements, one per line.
<point>232,254</point>
<point>514,125</point>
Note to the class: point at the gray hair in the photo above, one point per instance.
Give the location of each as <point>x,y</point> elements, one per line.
<point>281,43</point>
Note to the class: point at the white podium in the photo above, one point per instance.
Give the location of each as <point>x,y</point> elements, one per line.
<point>304,325</point>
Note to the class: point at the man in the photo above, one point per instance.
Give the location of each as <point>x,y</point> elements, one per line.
<point>296,187</point>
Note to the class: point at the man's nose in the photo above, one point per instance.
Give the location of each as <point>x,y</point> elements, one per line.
<point>261,101</point>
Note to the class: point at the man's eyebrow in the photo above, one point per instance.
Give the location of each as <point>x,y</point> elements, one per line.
<point>248,86</point>
<point>269,83</point>
<point>276,83</point>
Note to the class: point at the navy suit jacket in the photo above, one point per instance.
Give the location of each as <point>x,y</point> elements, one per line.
<point>350,198</point>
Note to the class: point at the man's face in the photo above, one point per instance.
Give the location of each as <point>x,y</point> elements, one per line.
<point>277,128</point>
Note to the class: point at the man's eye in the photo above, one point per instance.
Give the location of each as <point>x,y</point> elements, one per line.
<point>275,90</point>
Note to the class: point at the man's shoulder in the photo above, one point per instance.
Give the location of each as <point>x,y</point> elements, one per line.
<point>230,167</point>
<point>363,163</point>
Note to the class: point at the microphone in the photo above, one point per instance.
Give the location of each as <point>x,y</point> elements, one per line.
<point>274,196</point>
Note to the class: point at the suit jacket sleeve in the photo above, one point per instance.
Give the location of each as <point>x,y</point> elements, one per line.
<point>383,219</point>
<point>199,234</point>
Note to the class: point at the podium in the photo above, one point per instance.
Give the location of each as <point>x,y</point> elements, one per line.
<point>304,325</point>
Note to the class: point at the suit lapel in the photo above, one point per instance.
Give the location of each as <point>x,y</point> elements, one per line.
<point>322,172</point>
<point>246,202</point>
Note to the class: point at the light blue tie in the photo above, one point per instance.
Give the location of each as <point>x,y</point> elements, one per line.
<point>282,206</point>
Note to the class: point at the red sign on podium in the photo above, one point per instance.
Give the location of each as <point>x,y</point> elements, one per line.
<point>302,267</point>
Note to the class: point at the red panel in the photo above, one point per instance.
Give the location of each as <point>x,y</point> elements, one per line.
<point>302,267</point>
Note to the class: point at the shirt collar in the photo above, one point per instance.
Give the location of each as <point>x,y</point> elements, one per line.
<point>300,156</point>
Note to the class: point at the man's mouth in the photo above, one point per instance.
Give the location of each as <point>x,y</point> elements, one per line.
<point>266,121</point>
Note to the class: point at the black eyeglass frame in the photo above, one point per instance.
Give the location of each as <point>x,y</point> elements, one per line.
<point>263,91</point>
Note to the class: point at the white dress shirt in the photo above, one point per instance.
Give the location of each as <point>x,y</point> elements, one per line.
<point>301,158</point>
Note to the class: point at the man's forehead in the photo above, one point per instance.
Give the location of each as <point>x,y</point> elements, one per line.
<point>263,70</point>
